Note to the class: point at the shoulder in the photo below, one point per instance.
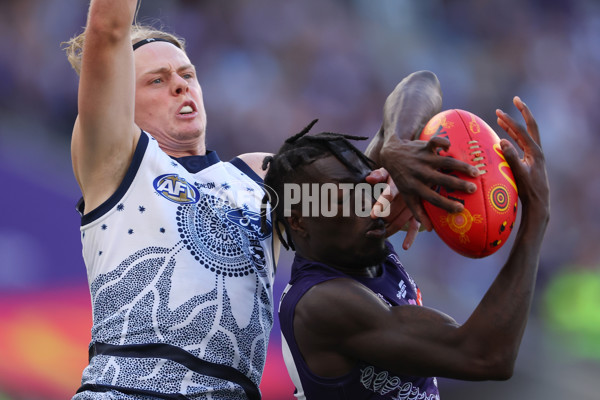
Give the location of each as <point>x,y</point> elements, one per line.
<point>340,290</point>
<point>255,161</point>
<point>347,301</point>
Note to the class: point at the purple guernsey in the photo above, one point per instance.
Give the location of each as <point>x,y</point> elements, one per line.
<point>395,287</point>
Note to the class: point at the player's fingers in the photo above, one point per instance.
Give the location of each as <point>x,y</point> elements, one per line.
<point>440,162</point>
<point>511,155</point>
<point>398,220</point>
<point>452,182</point>
<point>448,181</point>
<point>531,123</point>
<point>502,117</point>
<point>444,203</point>
<point>509,122</point>
<point>379,175</point>
<point>526,138</point>
<point>411,234</point>
<point>452,164</point>
<point>436,143</point>
<point>514,130</point>
<point>414,204</point>
<point>430,195</point>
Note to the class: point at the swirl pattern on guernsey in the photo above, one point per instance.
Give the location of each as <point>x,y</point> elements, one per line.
<point>196,275</point>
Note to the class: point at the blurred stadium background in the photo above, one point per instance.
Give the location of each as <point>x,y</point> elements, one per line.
<point>267,68</point>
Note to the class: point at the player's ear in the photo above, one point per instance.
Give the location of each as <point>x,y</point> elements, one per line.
<point>297,223</point>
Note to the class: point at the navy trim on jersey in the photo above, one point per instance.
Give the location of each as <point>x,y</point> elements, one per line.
<point>112,201</point>
<point>178,355</point>
<point>95,387</point>
<point>245,168</point>
<point>195,164</point>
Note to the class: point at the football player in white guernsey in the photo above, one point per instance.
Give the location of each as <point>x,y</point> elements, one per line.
<point>180,272</point>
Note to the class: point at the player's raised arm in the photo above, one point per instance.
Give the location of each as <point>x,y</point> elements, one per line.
<point>105,135</point>
<point>414,165</point>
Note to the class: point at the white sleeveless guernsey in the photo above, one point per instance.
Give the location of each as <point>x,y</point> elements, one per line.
<point>181,281</point>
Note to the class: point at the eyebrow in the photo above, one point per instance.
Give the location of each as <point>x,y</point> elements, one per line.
<point>163,70</point>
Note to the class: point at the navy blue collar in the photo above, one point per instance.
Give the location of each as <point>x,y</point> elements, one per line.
<point>194,164</point>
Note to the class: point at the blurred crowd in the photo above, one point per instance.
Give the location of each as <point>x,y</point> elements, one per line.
<point>269,67</point>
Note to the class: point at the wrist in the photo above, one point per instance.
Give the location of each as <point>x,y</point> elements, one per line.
<point>391,151</point>
<point>534,222</point>
<point>536,216</point>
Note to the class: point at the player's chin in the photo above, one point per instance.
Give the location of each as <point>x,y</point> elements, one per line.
<point>374,251</point>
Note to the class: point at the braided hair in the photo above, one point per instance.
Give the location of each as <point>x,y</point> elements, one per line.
<point>285,167</point>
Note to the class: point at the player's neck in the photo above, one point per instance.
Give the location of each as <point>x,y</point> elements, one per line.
<point>369,271</point>
<point>372,271</point>
<point>178,149</point>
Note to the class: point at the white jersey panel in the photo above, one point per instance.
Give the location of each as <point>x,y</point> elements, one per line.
<point>177,257</point>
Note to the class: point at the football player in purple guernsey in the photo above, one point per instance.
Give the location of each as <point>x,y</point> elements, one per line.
<point>352,319</point>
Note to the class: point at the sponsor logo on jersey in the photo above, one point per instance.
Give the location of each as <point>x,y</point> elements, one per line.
<point>390,386</point>
<point>401,290</point>
<point>250,221</point>
<point>176,189</point>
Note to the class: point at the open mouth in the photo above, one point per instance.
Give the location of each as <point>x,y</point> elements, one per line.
<point>187,108</point>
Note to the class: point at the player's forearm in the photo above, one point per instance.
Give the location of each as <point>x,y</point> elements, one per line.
<point>407,109</point>
<point>111,18</point>
<point>107,69</point>
<point>496,327</point>
<point>105,126</point>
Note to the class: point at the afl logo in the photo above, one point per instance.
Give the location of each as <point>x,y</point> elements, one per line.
<point>176,189</point>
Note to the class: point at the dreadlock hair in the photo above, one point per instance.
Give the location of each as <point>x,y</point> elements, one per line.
<point>285,167</point>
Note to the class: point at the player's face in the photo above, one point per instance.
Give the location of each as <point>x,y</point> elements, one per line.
<point>348,242</point>
<point>168,97</point>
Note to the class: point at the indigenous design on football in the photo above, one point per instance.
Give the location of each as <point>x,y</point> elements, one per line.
<point>473,125</point>
<point>499,198</point>
<point>504,168</point>
<point>461,223</point>
<point>489,213</point>
<point>436,125</point>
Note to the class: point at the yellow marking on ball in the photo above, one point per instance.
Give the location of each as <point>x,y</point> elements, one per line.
<point>461,223</point>
<point>504,164</point>
<point>474,125</point>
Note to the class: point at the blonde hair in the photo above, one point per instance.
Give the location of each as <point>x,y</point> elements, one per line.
<point>74,46</point>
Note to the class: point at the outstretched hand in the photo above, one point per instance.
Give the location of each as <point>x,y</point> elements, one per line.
<point>530,171</point>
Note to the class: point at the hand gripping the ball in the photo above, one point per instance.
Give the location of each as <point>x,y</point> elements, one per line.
<point>420,170</point>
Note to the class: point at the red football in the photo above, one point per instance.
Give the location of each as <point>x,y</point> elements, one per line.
<point>489,214</point>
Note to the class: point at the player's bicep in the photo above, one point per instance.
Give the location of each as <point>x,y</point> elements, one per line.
<point>105,135</point>
<point>420,341</point>
<point>405,339</point>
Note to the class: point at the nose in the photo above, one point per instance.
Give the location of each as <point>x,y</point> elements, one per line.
<point>180,85</point>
